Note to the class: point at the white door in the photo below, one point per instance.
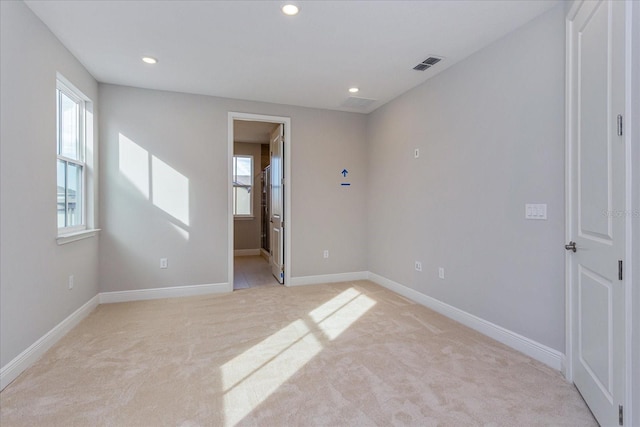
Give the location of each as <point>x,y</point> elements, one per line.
<point>597,192</point>
<point>277,203</point>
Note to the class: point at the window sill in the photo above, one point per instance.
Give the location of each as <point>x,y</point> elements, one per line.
<point>63,239</point>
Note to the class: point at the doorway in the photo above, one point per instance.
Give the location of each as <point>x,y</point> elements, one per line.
<point>259,247</point>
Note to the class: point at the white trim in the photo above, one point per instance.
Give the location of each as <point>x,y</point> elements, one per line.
<point>531,348</point>
<point>24,360</point>
<point>63,239</point>
<point>286,121</point>
<point>630,73</point>
<point>568,368</point>
<point>328,278</point>
<point>159,293</point>
<point>246,252</point>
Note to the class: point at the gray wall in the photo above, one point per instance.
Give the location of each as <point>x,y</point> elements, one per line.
<point>491,137</point>
<point>246,233</point>
<point>34,270</point>
<point>189,134</point>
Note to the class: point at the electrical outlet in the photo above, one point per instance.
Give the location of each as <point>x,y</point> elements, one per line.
<point>71,282</point>
<point>164,263</point>
<point>441,272</point>
<point>326,253</point>
<point>418,266</point>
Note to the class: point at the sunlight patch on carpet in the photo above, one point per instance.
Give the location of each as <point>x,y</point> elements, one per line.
<point>342,317</point>
<point>251,377</point>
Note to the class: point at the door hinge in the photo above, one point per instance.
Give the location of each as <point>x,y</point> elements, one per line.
<point>620,415</point>
<point>620,269</point>
<point>620,125</point>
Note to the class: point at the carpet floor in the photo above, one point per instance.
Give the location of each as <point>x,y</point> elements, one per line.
<point>345,354</point>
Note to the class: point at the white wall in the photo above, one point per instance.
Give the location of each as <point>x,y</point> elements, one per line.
<point>34,269</point>
<point>247,231</point>
<point>491,137</point>
<point>189,134</point>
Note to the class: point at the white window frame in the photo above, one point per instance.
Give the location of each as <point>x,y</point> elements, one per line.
<point>233,180</point>
<point>77,96</point>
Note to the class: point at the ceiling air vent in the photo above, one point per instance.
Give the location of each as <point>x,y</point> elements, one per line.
<point>427,63</point>
<point>358,103</point>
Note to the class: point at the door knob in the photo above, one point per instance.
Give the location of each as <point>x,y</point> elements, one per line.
<point>571,246</point>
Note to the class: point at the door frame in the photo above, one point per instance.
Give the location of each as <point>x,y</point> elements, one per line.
<point>632,167</point>
<point>286,121</point>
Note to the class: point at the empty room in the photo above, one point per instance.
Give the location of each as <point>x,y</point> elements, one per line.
<point>319,213</point>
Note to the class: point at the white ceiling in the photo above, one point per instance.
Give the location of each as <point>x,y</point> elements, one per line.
<point>250,50</point>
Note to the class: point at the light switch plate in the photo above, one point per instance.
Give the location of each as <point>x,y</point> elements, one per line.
<point>535,211</point>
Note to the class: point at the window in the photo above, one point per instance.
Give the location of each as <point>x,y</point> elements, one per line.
<point>70,132</point>
<point>242,185</point>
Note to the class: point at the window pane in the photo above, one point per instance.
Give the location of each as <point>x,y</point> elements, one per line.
<point>242,201</point>
<point>242,170</point>
<point>74,195</point>
<point>68,132</point>
<point>242,182</point>
<point>61,193</point>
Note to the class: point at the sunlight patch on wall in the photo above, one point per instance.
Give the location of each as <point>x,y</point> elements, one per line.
<point>134,164</point>
<point>170,190</point>
<point>158,182</point>
<point>181,231</point>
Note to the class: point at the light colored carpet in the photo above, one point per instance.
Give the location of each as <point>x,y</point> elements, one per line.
<point>347,354</point>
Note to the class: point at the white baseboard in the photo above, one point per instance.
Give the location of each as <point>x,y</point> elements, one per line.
<point>328,278</point>
<point>21,362</point>
<point>246,252</point>
<point>158,293</point>
<point>266,255</point>
<point>540,352</point>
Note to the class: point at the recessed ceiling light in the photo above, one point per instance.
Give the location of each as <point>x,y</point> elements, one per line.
<point>353,89</point>
<point>149,60</point>
<point>290,9</point>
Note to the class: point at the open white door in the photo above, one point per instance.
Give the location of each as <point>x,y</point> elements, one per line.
<point>277,203</point>
<point>596,185</point>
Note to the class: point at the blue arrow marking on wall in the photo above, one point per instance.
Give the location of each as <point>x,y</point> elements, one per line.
<point>344,172</point>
